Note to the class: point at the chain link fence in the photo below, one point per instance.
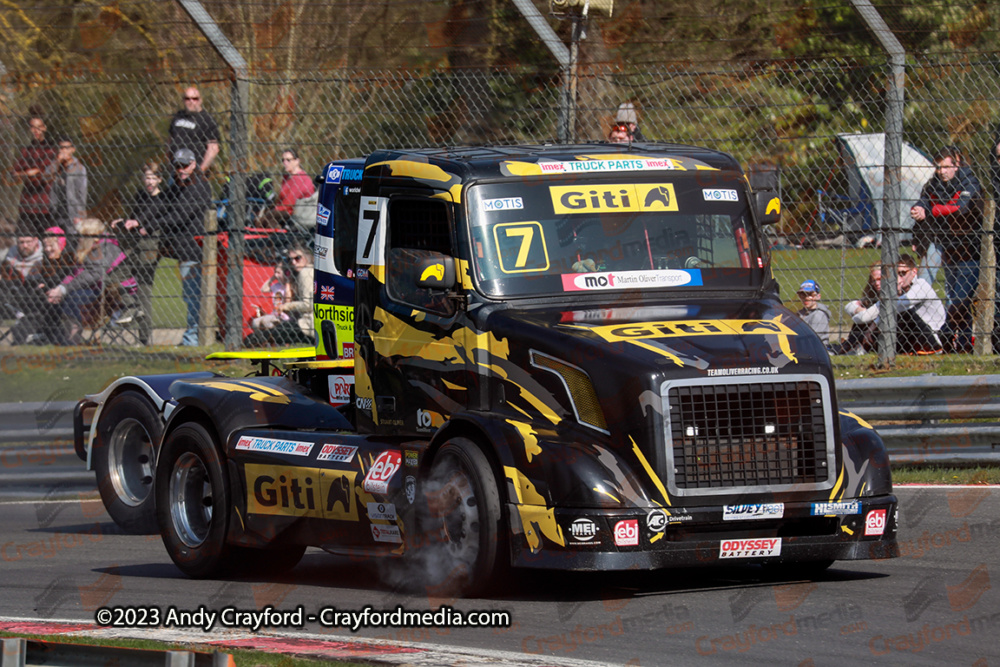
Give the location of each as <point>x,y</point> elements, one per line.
<point>819,121</point>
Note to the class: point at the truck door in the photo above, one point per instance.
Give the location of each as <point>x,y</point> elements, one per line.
<point>411,372</point>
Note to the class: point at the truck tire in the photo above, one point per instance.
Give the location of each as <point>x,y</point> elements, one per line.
<point>464,543</point>
<point>192,501</point>
<point>124,458</point>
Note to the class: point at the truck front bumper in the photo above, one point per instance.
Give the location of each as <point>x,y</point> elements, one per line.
<point>639,539</point>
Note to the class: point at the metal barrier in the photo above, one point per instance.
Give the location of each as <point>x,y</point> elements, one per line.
<point>966,403</point>
<point>926,399</point>
<point>21,652</point>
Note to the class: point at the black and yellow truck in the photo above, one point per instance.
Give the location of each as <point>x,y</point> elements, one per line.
<point>563,356</point>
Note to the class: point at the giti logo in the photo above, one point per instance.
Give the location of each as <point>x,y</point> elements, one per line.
<point>294,491</point>
<point>569,199</point>
<point>642,330</point>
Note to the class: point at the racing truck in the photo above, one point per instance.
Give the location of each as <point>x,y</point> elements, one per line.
<point>556,356</point>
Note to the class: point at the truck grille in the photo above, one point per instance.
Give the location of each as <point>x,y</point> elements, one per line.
<point>736,435</point>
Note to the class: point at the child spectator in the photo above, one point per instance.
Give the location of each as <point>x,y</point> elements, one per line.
<point>813,313</point>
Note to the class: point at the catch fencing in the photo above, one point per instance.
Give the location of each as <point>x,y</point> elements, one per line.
<point>797,115</point>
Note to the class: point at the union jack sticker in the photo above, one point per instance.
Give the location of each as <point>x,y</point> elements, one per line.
<point>326,292</point>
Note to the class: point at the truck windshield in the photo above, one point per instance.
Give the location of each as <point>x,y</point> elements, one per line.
<point>670,230</point>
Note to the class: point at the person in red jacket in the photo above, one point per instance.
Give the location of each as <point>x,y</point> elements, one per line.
<point>297,185</point>
<point>949,214</point>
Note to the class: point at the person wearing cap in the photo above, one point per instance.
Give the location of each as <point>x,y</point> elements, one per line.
<point>812,312</point>
<point>21,262</point>
<point>42,323</point>
<point>188,197</point>
<point>68,189</point>
<point>194,128</point>
<point>920,314</point>
<point>627,115</point>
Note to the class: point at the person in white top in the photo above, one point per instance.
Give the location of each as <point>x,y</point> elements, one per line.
<point>920,314</point>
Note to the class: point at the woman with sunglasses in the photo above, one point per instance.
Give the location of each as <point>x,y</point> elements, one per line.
<point>296,187</point>
<point>298,330</point>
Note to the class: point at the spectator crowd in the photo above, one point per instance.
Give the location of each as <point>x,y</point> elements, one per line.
<point>67,272</point>
<point>65,269</point>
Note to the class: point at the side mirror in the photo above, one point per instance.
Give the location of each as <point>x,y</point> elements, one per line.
<point>768,206</point>
<point>436,272</point>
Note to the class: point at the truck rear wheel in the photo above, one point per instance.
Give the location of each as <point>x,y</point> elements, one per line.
<point>124,458</point>
<point>192,501</point>
<point>461,528</point>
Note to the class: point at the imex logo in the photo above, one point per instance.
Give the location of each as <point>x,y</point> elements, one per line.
<point>620,198</point>
<point>640,330</point>
<point>293,491</point>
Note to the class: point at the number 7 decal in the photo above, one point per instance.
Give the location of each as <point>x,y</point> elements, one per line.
<point>521,243</point>
<point>371,231</point>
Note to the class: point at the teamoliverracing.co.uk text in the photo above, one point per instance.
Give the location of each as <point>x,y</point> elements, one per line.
<point>329,617</point>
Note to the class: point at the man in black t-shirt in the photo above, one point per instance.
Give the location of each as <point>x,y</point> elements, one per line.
<point>195,129</point>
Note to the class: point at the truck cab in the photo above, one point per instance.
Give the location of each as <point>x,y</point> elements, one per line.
<point>568,357</point>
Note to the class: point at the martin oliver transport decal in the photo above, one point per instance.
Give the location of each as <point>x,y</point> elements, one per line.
<point>586,282</point>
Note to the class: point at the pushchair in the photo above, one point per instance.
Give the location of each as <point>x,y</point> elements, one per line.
<point>260,195</point>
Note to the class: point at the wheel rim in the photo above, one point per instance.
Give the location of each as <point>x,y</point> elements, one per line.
<point>130,461</point>
<point>454,503</point>
<point>190,498</point>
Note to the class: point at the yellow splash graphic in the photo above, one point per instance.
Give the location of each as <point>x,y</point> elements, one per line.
<point>649,471</point>
<point>258,392</point>
<point>530,438</point>
<point>858,419</point>
<point>534,512</point>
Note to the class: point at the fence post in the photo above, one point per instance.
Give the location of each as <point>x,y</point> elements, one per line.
<point>986,292</point>
<point>209,279</point>
<point>892,194</point>
<point>239,103</point>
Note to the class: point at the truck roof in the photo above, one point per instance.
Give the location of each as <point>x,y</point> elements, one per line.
<point>485,161</point>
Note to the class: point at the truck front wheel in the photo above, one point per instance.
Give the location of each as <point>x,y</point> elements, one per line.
<point>124,458</point>
<point>461,528</point>
<point>192,501</point>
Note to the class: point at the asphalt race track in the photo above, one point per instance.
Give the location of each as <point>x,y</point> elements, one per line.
<point>61,559</point>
